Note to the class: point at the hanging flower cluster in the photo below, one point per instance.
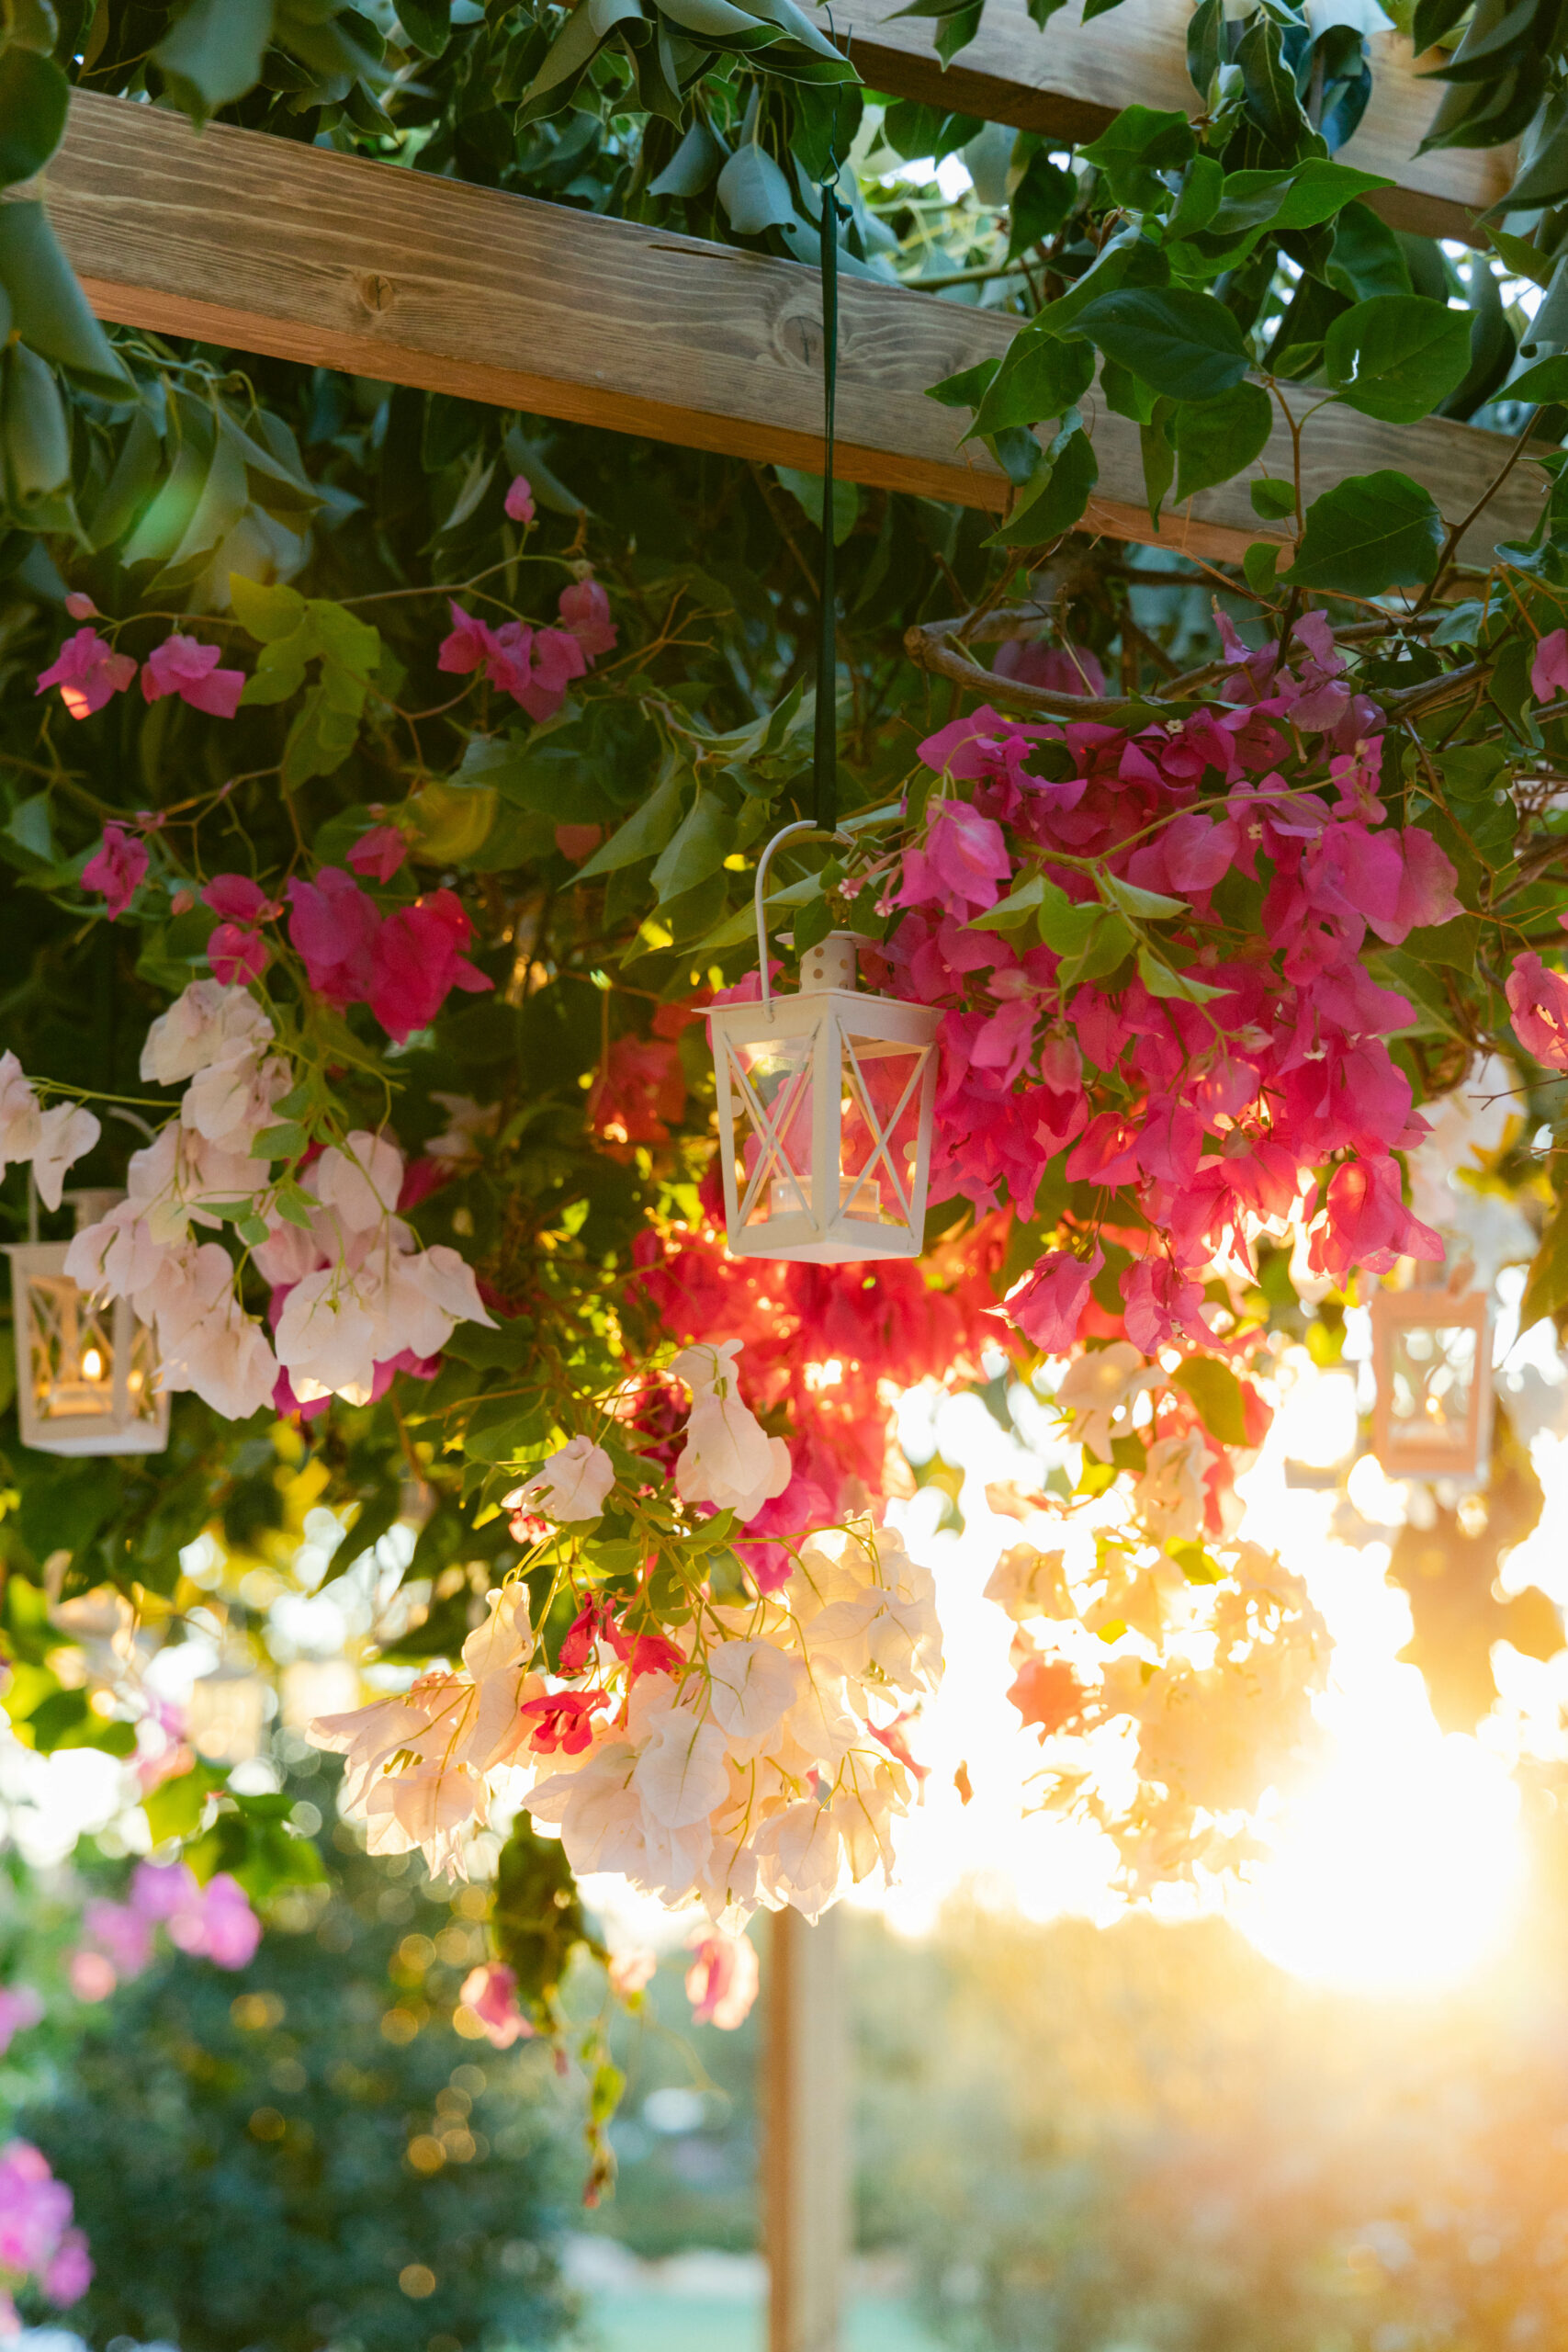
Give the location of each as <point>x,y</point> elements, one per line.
<point>46,1141</point>
<point>740,1752</point>
<point>1147,945</point>
<point>353,1297</point>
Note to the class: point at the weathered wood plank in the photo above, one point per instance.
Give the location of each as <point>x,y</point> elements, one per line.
<point>260,244</point>
<point>1071,78</point>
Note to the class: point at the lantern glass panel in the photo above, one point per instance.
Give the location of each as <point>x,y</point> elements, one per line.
<point>1431,1371</point>
<point>773,1107</point>
<point>70,1344</point>
<point>879,1128</point>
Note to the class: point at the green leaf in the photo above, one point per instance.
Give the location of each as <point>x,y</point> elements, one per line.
<point>967,389</point>
<point>1260,565</point>
<point>1067,925</point>
<point>1369,533</point>
<point>806,492</point>
<point>1012,912</point>
<point>1184,343</point>
<point>1109,943</point>
<point>1397,357</point>
<point>754,192</point>
<point>266,613</point>
<point>1144,906</point>
<point>1522,258</point>
<point>1216,1390</point>
<point>34,98</point>
<point>1547,380</point>
<point>705,838</point>
<point>286,1141</point>
<point>1041,376</point>
<point>1367,258</point>
<point>1134,149</point>
<point>1201,190</point>
<point>646,831</point>
<point>1272,499</point>
<point>695,163</point>
<point>174,1808</point>
<point>1216,439</point>
<point>1319,187</point>
<point>48,310</point>
<point>213,53</point>
<point>1163,979</point>
<point>1546,1286</point>
<point>1056,498</point>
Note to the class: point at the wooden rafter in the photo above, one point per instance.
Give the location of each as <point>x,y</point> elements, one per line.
<point>1070,79</point>
<point>259,245</point>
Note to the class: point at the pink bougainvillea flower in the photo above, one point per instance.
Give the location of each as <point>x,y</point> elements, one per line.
<point>721,1982</point>
<point>69,2273</point>
<point>415,959</point>
<point>1365,1225</point>
<point>20,2008</point>
<point>469,644</point>
<point>1047,1305</point>
<point>1049,1694</point>
<point>90,1975</point>
<point>1161,1304</point>
<point>520,499</point>
<point>578,842</point>
<point>556,658</point>
<point>640,1087</point>
<point>1549,671</point>
<point>120,1933</point>
<point>489,1992</point>
<point>1538,999</point>
<point>184,666</point>
<point>585,611</point>
<point>334,927</point>
<point>562,1719</point>
<point>87,671</point>
<point>236,899</point>
<point>379,853</point>
<point>117,868</point>
<point>962,864</point>
<point>81,607</point>
<point>235,956</point>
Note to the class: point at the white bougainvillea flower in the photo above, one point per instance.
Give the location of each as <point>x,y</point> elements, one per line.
<point>729,1459</point>
<point>325,1337</point>
<point>360,1184</point>
<point>205,1024</point>
<point>1099,1385</point>
<point>753,1687</point>
<point>1030,1583</point>
<point>572,1484</point>
<point>1170,1497</point>
<point>52,1139</point>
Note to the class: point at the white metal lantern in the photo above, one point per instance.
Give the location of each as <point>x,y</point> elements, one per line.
<point>1432,1362</point>
<point>824,1110</point>
<point>85,1371</point>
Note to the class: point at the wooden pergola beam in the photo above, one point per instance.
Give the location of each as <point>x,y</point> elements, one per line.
<point>1068,81</point>
<point>258,244</point>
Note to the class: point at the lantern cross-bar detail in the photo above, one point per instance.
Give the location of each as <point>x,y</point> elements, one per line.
<point>1432,1364</point>
<point>824,1103</point>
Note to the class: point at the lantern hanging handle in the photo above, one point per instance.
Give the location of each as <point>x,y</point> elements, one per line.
<point>790,833</point>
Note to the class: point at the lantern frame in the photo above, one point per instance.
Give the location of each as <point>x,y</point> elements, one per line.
<point>838,1217</point>
<point>65,1405</point>
<point>1410,1445</point>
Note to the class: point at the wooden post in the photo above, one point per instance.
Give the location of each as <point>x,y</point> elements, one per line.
<point>805,2103</point>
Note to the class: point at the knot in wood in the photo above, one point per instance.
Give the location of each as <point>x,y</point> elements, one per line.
<point>376,292</point>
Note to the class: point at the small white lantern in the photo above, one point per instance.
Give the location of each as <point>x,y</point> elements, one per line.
<point>86,1373</point>
<point>1432,1362</point>
<point>824,1110</point>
